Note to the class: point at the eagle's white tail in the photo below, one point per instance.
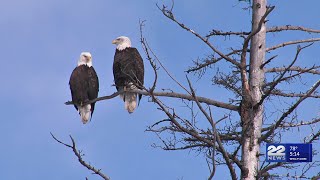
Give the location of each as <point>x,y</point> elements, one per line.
<point>130,102</point>
<point>85,113</point>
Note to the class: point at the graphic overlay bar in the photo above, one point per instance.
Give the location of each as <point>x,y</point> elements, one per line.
<point>288,152</point>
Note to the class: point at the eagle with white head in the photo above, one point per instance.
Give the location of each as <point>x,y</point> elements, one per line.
<point>84,86</point>
<point>128,71</point>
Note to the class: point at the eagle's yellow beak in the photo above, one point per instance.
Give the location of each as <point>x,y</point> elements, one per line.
<point>114,41</point>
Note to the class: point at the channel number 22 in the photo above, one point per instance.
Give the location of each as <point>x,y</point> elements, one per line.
<point>276,151</point>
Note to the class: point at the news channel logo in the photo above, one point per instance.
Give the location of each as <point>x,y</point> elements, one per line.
<point>288,152</point>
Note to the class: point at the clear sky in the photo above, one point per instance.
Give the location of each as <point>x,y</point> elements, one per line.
<point>40,45</point>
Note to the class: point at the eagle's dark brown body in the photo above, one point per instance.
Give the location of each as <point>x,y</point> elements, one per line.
<point>128,69</point>
<point>84,86</point>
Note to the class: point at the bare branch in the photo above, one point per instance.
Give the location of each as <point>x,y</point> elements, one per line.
<point>217,136</point>
<point>268,168</point>
<point>60,141</point>
<point>167,94</point>
<point>272,29</point>
<point>79,156</point>
<point>312,70</point>
<point>286,79</point>
<point>278,93</point>
<point>194,133</point>
<point>145,47</point>
<point>208,63</point>
<point>289,111</point>
<point>229,81</point>
<point>97,99</point>
<point>315,137</point>
<point>176,123</point>
<point>169,14</point>
<point>302,123</point>
<point>212,61</point>
<point>167,148</point>
<point>226,156</point>
<point>268,61</point>
<point>291,43</point>
<point>292,28</point>
<point>280,78</point>
<point>288,176</point>
<point>229,33</point>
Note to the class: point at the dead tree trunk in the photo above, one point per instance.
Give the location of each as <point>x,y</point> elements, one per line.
<point>251,107</point>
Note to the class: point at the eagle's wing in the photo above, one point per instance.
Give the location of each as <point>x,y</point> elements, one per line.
<point>138,66</point>
<point>93,87</point>
<point>79,85</point>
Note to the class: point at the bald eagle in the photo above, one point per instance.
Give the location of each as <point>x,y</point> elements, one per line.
<point>84,86</point>
<point>128,71</point>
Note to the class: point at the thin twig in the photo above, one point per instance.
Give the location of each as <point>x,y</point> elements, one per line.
<point>145,48</point>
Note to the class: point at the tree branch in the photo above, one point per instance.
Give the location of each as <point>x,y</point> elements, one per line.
<point>302,123</point>
<point>292,28</point>
<point>315,137</point>
<point>97,99</point>
<point>216,134</point>
<point>79,156</point>
<point>268,61</point>
<point>277,81</point>
<point>287,79</point>
<point>272,29</point>
<point>291,43</point>
<point>278,93</point>
<point>145,47</point>
<point>212,61</point>
<point>289,111</point>
<point>169,14</point>
<point>229,33</point>
<point>166,94</point>
<point>175,122</point>
<point>312,70</point>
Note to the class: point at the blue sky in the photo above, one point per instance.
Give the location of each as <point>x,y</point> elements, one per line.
<point>40,45</point>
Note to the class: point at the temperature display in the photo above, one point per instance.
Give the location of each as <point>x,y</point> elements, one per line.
<point>289,152</point>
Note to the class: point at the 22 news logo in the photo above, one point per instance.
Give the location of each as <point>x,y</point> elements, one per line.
<point>276,153</point>
<point>289,152</point>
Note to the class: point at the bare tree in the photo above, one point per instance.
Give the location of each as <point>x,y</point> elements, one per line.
<point>236,139</point>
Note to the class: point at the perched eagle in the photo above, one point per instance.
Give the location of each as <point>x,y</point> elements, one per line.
<point>128,71</point>
<point>84,86</point>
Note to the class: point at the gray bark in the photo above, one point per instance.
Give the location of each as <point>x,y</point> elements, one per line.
<point>252,112</point>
